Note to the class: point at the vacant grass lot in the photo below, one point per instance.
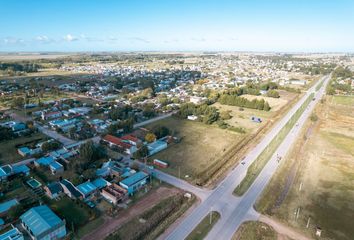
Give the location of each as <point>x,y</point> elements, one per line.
<point>255,231</point>
<point>199,147</point>
<point>324,168</point>
<point>344,100</point>
<point>8,149</point>
<point>204,227</point>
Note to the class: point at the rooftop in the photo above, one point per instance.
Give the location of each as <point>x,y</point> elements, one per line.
<point>40,219</point>
<point>135,178</point>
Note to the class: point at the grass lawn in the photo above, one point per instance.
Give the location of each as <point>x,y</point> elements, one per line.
<point>255,231</point>
<point>204,227</point>
<point>324,168</point>
<point>200,146</point>
<point>89,226</point>
<point>344,100</point>
<point>8,149</point>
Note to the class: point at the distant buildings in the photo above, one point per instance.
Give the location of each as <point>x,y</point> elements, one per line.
<point>12,234</point>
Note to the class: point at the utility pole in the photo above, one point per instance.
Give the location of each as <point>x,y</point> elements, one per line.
<point>179,171</point>
<point>308,223</point>
<point>211,215</point>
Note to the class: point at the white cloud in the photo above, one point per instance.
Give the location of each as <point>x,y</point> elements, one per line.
<point>70,38</point>
<point>139,39</point>
<point>13,41</point>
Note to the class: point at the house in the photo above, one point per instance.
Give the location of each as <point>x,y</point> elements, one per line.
<point>156,147</point>
<point>134,182</point>
<point>100,183</point>
<point>53,190</point>
<point>114,193</point>
<point>5,206</point>
<point>120,144</point>
<point>69,189</point>
<point>197,100</point>
<point>26,152</point>
<point>12,234</point>
<point>80,110</point>
<point>131,139</point>
<point>55,167</point>
<point>9,170</point>
<point>42,223</point>
<point>51,115</point>
<point>86,189</point>
<point>18,126</point>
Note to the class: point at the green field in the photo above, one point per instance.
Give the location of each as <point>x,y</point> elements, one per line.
<point>8,149</point>
<point>256,167</point>
<point>344,100</point>
<point>255,231</point>
<point>204,226</point>
<point>200,146</point>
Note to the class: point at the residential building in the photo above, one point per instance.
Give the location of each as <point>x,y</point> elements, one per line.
<point>42,223</point>
<point>12,234</point>
<point>114,193</point>
<point>134,182</point>
<point>53,190</point>
<point>69,189</point>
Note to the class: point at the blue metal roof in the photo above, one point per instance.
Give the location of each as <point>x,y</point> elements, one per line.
<point>25,150</point>
<point>55,165</point>
<point>133,179</point>
<point>21,169</point>
<point>40,219</point>
<point>100,183</point>
<point>12,234</point>
<point>45,160</point>
<point>5,206</point>
<point>86,188</point>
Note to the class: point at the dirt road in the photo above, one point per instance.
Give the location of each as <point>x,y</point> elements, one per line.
<point>148,201</point>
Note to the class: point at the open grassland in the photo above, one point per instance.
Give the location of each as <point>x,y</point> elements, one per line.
<point>8,149</point>
<point>199,147</point>
<point>204,226</point>
<point>316,179</point>
<point>344,100</point>
<point>255,231</point>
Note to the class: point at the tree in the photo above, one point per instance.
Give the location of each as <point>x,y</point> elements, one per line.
<point>87,151</point>
<point>266,106</point>
<point>18,102</point>
<point>142,152</point>
<point>273,93</point>
<point>225,115</point>
<point>160,131</point>
<point>15,211</point>
<point>49,146</point>
<point>150,137</point>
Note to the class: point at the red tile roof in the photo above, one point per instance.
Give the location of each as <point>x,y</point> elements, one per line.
<point>130,137</point>
<point>116,141</point>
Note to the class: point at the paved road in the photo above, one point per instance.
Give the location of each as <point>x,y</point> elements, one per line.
<point>53,134</point>
<point>153,120</point>
<point>235,210</point>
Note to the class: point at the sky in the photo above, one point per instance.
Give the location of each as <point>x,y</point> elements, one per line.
<point>177,25</point>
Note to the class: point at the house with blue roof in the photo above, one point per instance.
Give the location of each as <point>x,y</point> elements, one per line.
<point>12,234</point>
<point>134,182</point>
<point>156,147</point>
<point>42,223</point>
<point>5,206</point>
<point>86,189</point>
<point>55,167</point>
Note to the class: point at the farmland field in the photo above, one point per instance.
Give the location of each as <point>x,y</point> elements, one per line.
<point>199,146</point>
<point>316,178</point>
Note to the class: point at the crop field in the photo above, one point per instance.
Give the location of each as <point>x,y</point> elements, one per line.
<point>199,147</point>
<point>315,180</point>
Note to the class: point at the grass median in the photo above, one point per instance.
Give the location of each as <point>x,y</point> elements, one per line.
<point>204,226</point>
<point>256,167</point>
